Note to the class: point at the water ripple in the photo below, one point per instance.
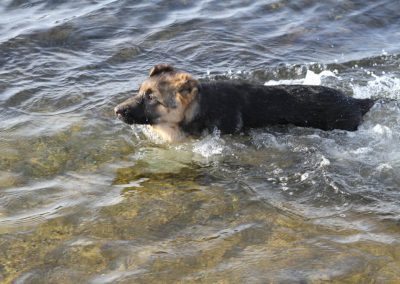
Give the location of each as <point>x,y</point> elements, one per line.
<point>85,198</point>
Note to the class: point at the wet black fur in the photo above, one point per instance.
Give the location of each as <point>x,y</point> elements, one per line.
<point>235,106</point>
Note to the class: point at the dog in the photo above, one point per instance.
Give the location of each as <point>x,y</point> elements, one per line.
<point>176,105</point>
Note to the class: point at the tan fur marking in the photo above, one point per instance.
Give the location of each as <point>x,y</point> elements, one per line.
<point>169,133</point>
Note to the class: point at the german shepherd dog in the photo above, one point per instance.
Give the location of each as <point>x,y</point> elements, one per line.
<point>176,105</point>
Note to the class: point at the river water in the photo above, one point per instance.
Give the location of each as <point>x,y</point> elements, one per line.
<point>87,199</point>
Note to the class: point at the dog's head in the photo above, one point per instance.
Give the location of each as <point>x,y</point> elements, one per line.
<point>165,97</point>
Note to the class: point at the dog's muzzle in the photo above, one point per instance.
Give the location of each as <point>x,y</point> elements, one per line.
<point>132,111</point>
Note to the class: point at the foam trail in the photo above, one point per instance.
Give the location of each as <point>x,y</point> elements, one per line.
<point>311,78</point>
<point>385,86</point>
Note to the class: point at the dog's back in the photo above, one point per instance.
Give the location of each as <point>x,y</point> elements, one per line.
<point>233,106</point>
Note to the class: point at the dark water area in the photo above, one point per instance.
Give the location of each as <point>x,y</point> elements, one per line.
<point>87,199</point>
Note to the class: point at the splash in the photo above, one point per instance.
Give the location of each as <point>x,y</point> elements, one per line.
<point>210,146</point>
<point>385,86</point>
<point>311,78</point>
<point>316,79</point>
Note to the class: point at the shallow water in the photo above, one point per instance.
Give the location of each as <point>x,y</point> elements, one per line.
<point>85,198</point>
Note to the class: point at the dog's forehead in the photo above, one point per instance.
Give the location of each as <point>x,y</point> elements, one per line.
<point>165,82</point>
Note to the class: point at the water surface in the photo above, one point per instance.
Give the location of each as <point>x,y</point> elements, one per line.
<point>87,199</point>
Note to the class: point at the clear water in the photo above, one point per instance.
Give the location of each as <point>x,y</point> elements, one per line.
<point>85,198</point>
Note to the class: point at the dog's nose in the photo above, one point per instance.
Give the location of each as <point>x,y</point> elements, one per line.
<point>118,110</point>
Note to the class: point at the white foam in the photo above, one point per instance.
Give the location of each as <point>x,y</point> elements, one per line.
<point>284,82</point>
<point>324,162</point>
<point>316,79</point>
<point>384,86</point>
<point>304,176</point>
<point>311,78</point>
<point>362,151</point>
<point>384,167</point>
<point>383,130</point>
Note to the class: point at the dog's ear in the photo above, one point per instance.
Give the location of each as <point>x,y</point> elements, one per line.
<point>160,68</point>
<point>187,84</point>
<point>188,87</point>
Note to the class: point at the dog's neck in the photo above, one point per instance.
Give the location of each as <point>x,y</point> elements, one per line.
<point>195,121</point>
<point>168,132</point>
<point>192,111</point>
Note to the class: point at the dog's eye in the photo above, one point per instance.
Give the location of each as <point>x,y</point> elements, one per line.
<point>149,94</point>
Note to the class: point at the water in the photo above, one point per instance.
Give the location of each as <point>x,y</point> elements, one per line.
<point>85,198</point>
